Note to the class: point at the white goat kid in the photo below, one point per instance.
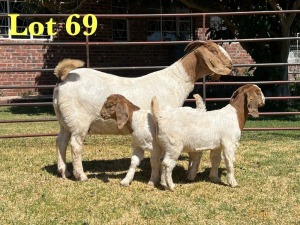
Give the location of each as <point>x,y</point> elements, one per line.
<point>187,130</point>
<point>141,125</point>
<point>82,92</point>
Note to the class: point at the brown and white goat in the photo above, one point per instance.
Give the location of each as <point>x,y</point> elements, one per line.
<point>142,127</point>
<point>81,93</point>
<point>186,130</point>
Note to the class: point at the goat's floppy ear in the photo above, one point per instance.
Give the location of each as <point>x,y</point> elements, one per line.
<point>122,114</point>
<point>216,59</point>
<point>252,104</point>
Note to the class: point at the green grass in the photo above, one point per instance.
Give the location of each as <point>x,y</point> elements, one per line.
<point>267,170</point>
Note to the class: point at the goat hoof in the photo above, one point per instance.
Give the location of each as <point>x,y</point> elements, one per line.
<point>172,187</point>
<point>84,179</point>
<point>151,183</point>
<point>124,183</point>
<point>165,187</point>
<point>81,177</point>
<point>66,174</point>
<point>215,180</point>
<point>233,184</point>
<point>190,177</point>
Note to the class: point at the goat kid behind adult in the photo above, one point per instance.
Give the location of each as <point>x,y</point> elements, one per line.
<point>141,124</point>
<point>81,92</point>
<point>187,130</point>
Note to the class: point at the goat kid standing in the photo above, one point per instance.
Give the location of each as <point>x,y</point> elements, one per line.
<point>141,125</point>
<point>186,130</point>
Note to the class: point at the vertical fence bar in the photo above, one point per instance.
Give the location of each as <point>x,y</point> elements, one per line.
<point>87,44</point>
<point>161,21</point>
<point>204,80</point>
<point>87,47</point>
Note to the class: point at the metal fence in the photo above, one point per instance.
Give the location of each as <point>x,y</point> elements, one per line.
<point>203,83</point>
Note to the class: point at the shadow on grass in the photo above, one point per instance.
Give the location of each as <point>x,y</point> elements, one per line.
<point>32,110</point>
<point>117,169</point>
<point>95,167</point>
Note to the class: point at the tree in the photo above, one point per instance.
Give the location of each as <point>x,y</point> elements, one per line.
<point>67,6</point>
<point>259,26</point>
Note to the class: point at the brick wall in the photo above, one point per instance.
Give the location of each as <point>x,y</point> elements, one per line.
<point>40,56</point>
<point>238,56</point>
<point>20,57</point>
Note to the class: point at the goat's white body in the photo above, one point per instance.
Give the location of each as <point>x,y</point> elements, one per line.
<point>84,91</point>
<point>188,130</point>
<point>197,131</point>
<point>144,130</point>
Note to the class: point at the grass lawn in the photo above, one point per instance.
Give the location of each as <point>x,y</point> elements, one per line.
<point>267,169</point>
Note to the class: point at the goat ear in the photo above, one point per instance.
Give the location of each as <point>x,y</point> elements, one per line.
<point>193,45</point>
<point>252,104</point>
<point>122,115</point>
<point>214,59</point>
<point>233,96</point>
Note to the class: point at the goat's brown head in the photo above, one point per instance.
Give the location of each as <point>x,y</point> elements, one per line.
<point>250,96</point>
<point>212,59</point>
<point>119,108</point>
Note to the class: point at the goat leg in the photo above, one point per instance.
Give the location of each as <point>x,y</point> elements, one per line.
<point>137,157</point>
<point>61,147</point>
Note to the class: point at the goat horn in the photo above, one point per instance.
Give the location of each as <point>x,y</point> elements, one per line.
<point>194,44</point>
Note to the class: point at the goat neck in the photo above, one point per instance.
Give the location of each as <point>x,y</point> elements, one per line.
<point>239,102</point>
<point>189,63</point>
<point>132,108</point>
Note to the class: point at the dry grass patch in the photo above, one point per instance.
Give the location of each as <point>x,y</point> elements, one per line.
<point>267,170</point>
<point>31,192</point>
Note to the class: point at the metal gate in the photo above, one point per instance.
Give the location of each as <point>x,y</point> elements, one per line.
<point>205,84</point>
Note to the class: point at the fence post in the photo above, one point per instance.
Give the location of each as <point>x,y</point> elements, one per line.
<point>87,50</point>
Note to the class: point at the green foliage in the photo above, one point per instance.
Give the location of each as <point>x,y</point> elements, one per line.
<point>295,88</point>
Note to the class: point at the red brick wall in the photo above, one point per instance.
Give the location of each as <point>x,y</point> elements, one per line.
<point>238,56</point>
<point>20,57</point>
<point>39,56</point>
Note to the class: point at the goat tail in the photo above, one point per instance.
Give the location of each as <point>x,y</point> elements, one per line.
<point>200,105</point>
<point>155,109</point>
<point>65,66</point>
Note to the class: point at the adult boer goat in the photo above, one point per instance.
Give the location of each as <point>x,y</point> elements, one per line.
<point>82,92</point>
<point>188,130</point>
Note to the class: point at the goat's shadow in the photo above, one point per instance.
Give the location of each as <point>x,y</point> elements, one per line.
<point>105,170</point>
